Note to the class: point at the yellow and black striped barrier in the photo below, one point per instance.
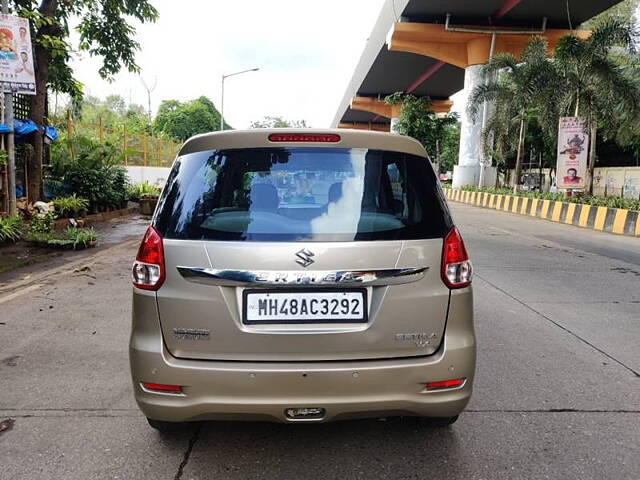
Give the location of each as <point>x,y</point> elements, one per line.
<point>605,219</point>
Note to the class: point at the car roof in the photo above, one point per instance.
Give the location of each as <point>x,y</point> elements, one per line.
<point>259,138</point>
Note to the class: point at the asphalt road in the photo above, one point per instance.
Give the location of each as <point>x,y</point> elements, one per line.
<point>557,391</point>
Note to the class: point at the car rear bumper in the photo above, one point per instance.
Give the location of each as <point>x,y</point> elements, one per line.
<point>223,390</point>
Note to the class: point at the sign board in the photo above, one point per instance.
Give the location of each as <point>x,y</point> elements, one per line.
<point>16,56</point>
<point>573,152</point>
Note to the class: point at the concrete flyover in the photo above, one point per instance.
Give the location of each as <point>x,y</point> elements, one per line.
<point>437,48</point>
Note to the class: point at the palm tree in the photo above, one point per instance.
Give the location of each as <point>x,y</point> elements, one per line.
<point>514,88</point>
<point>592,81</point>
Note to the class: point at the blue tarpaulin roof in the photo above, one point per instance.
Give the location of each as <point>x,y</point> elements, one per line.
<point>24,127</point>
<point>51,133</point>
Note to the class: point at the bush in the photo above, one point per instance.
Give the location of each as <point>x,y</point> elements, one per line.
<point>10,229</point>
<point>41,223</point>
<point>41,238</point>
<point>143,190</point>
<point>92,173</point>
<point>70,204</point>
<point>71,238</point>
<point>81,237</point>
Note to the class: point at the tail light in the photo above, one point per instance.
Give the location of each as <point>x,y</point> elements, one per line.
<point>161,387</point>
<point>445,384</point>
<point>456,267</point>
<point>148,270</point>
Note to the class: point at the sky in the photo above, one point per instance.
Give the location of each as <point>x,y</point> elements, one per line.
<point>306,52</point>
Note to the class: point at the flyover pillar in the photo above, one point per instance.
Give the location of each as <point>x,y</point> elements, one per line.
<point>467,172</point>
<point>469,49</point>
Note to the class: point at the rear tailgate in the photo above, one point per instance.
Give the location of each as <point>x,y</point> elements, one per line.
<point>205,321</point>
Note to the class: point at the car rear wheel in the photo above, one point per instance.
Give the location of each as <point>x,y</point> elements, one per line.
<point>438,422</point>
<point>166,427</point>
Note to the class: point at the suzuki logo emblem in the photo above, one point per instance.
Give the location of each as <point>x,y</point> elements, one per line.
<point>305,257</point>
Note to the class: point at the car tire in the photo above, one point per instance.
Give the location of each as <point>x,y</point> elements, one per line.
<point>438,422</point>
<point>166,427</point>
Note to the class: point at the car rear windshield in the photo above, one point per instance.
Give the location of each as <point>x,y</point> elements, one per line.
<point>302,194</point>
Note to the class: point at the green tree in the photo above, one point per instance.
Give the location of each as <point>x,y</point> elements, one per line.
<point>593,83</point>
<point>113,112</point>
<point>418,121</point>
<point>105,30</point>
<point>448,147</point>
<point>514,87</point>
<point>278,122</point>
<point>624,9</point>
<point>181,121</point>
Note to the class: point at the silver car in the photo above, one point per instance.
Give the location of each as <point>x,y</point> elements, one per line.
<point>302,276</point>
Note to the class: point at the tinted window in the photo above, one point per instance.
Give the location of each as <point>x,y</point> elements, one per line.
<point>310,194</point>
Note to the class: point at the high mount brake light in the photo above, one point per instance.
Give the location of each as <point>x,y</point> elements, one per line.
<point>456,267</point>
<point>148,270</point>
<point>305,137</point>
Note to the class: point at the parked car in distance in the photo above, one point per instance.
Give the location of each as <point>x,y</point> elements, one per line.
<point>302,276</point>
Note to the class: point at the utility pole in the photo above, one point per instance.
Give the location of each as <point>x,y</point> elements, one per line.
<point>149,92</point>
<point>11,153</point>
<point>222,93</point>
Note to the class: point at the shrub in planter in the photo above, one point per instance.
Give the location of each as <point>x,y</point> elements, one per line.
<point>147,195</point>
<point>93,173</point>
<point>143,190</point>
<point>71,206</point>
<point>10,229</point>
<point>148,205</point>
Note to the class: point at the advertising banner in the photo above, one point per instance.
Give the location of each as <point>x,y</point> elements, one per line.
<point>16,56</point>
<point>573,151</point>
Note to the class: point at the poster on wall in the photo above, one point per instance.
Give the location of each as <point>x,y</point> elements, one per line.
<point>16,56</point>
<point>573,151</point>
<point>632,183</point>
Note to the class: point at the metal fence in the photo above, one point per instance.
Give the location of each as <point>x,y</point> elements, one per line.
<point>134,148</point>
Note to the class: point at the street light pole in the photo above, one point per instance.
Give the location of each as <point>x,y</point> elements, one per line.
<point>11,154</point>
<point>222,93</point>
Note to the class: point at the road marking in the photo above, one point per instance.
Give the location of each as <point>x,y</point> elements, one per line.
<point>19,293</point>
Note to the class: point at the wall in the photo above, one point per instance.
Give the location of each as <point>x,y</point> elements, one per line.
<point>608,181</point>
<point>153,175</point>
<point>617,182</point>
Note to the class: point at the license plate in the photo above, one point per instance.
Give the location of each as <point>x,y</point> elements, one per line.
<point>272,307</point>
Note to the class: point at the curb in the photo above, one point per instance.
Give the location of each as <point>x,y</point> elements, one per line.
<point>604,219</point>
<point>92,218</point>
